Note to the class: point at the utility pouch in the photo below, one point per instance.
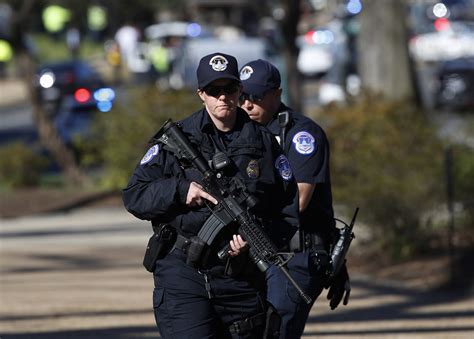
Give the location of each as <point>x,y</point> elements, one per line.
<point>195,253</point>
<point>320,262</point>
<point>159,245</point>
<point>296,242</point>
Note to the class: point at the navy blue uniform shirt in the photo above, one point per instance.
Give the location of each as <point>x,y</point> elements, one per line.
<point>158,187</point>
<point>307,149</point>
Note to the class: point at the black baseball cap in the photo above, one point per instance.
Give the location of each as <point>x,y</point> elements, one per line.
<point>259,76</point>
<point>217,66</point>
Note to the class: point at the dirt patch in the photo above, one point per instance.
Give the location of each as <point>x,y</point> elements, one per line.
<point>25,202</point>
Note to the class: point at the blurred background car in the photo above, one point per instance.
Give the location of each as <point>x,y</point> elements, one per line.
<point>243,48</point>
<point>456,84</point>
<point>153,58</point>
<point>447,40</point>
<point>315,57</point>
<point>76,112</point>
<point>178,29</point>
<point>56,80</point>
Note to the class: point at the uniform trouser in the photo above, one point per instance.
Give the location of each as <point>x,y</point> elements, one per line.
<point>183,308</point>
<point>285,298</point>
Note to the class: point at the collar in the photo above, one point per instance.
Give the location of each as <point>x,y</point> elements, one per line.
<point>207,126</point>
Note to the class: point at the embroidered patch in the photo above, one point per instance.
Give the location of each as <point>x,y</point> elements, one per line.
<point>253,170</point>
<point>150,154</point>
<point>246,72</point>
<point>218,63</point>
<point>304,143</point>
<point>283,166</point>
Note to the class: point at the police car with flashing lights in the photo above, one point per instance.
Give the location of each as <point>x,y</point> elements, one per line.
<point>54,81</point>
<point>76,112</point>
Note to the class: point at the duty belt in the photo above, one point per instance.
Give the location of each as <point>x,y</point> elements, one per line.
<point>181,243</point>
<point>246,325</point>
<point>313,241</point>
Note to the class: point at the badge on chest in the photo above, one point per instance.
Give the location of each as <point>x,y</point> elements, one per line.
<point>253,170</point>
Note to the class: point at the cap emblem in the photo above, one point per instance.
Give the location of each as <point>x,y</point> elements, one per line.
<point>246,72</point>
<point>218,63</point>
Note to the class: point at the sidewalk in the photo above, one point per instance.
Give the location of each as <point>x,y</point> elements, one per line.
<point>13,91</point>
<point>78,274</point>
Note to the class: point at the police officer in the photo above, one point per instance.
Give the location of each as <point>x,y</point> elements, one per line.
<point>306,146</point>
<point>205,299</point>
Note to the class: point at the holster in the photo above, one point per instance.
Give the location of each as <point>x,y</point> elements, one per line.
<point>319,252</point>
<point>196,250</point>
<point>272,323</point>
<point>159,244</point>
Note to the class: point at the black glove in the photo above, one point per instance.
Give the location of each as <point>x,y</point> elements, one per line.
<point>340,287</point>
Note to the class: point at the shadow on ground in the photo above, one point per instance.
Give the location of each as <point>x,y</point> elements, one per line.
<point>108,333</point>
<point>413,308</point>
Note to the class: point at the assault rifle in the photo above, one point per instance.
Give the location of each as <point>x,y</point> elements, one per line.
<point>234,203</point>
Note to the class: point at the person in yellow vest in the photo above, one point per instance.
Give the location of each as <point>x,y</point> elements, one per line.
<point>159,58</point>
<point>97,21</point>
<point>6,55</point>
<point>114,59</point>
<point>55,18</point>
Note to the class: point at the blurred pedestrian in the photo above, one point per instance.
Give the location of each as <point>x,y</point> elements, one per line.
<point>112,55</point>
<point>127,38</point>
<point>73,41</point>
<point>160,60</point>
<point>6,55</point>
<point>197,296</point>
<point>306,146</point>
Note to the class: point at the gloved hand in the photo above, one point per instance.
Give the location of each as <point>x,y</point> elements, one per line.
<point>340,287</point>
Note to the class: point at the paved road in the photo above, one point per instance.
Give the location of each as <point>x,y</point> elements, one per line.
<point>79,275</point>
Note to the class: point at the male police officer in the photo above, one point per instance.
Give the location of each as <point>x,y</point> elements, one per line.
<point>306,146</point>
<point>203,299</point>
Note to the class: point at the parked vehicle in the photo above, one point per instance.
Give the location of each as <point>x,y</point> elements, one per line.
<point>76,112</point>
<point>243,48</point>
<point>56,80</point>
<point>447,40</point>
<point>456,84</point>
<point>325,52</point>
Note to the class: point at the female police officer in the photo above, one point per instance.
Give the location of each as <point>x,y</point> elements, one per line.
<point>206,300</point>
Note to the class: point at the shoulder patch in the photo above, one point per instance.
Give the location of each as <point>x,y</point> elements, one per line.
<point>283,166</point>
<point>304,143</point>
<point>150,154</point>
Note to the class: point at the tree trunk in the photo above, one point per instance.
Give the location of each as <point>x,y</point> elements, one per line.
<point>384,63</point>
<point>290,52</point>
<point>47,132</point>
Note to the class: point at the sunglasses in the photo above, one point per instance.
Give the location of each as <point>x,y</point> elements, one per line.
<point>215,91</point>
<point>249,97</point>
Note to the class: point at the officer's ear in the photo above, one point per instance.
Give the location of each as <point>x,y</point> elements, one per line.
<point>278,92</point>
<point>200,93</point>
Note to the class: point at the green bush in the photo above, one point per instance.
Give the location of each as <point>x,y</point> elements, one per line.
<point>20,166</point>
<point>463,190</point>
<point>120,137</point>
<point>386,159</point>
<point>48,49</point>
